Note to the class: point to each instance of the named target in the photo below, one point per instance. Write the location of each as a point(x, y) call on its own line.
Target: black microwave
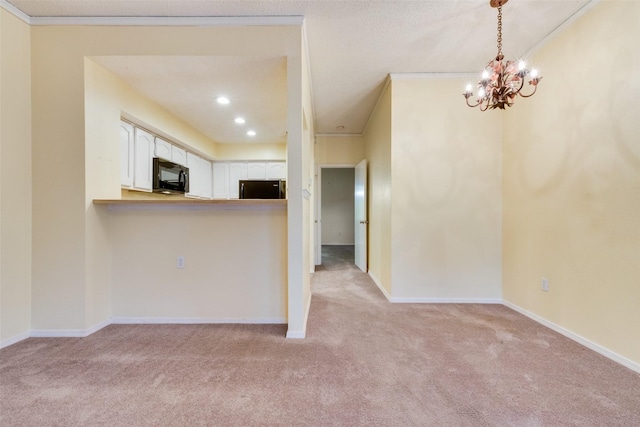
point(169, 177)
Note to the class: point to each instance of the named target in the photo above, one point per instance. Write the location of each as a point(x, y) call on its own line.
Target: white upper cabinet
point(163, 149)
point(276, 170)
point(220, 180)
point(126, 154)
point(206, 179)
point(143, 160)
point(256, 170)
point(237, 171)
point(178, 155)
point(193, 163)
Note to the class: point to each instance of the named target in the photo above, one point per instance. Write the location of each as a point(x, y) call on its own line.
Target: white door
point(361, 220)
point(276, 170)
point(206, 189)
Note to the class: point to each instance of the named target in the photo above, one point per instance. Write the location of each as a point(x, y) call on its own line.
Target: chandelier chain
point(500, 31)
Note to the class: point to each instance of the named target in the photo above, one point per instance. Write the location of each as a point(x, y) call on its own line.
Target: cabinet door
point(256, 170)
point(163, 149)
point(237, 171)
point(126, 154)
point(220, 180)
point(206, 188)
point(276, 170)
point(195, 180)
point(143, 160)
point(178, 155)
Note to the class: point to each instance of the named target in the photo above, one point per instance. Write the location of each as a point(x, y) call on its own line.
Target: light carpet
point(365, 361)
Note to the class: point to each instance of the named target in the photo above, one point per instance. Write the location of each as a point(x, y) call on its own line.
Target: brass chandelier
point(501, 81)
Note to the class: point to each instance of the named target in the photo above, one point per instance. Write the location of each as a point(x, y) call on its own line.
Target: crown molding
point(165, 21)
point(15, 11)
point(428, 76)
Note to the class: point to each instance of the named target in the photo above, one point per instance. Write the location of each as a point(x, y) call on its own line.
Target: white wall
point(338, 212)
point(445, 214)
point(235, 264)
point(339, 149)
point(15, 178)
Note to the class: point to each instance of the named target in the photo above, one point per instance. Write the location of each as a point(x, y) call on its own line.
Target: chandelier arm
point(535, 87)
point(472, 106)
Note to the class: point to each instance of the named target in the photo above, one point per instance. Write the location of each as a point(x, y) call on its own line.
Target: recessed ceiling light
point(222, 100)
point(239, 120)
point(251, 132)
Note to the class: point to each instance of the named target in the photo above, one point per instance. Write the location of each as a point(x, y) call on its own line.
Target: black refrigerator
point(262, 189)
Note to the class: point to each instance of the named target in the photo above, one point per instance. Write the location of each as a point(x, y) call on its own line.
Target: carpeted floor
point(364, 362)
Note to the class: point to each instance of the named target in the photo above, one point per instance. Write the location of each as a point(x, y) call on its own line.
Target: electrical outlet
point(544, 284)
point(180, 262)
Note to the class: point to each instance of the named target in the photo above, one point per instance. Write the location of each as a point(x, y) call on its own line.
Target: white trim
point(379, 285)
point(577, 338)
point(196, 320)
point(303, 333)
point(15, 12)
point(324, 135)
point(338, 244)
point(69, 333)
point(168, 21)
point(14, 339)
point(401, 300)
point(336, 166)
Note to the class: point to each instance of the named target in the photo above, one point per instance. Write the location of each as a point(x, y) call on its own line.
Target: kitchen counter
point(186, 202)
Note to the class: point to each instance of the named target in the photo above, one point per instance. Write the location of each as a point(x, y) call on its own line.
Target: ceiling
point(353, 46)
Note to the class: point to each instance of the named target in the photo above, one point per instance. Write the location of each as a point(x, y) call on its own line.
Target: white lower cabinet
point(143, 160)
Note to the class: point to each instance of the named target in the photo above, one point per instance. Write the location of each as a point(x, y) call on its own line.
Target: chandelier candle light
point(501, 81)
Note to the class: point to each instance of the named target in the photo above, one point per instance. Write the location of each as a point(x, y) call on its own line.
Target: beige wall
point(340, 150)
point(15, 178)
point(445, 214)
point(377, 151)
point(69, 236)
point(251, 152)
point(571, 183)
point(235, 264)
point(107, 99)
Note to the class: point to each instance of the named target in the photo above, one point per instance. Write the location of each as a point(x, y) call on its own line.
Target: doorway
point(339, 202)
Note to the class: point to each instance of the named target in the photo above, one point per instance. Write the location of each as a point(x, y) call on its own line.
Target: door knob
point(364, 222)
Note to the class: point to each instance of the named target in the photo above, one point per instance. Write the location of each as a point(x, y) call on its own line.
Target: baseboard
point(196, 320)
point(577, 338)
point(379, 285)
point(14, 339)
point(446, 300)
point(68, 333)
point(303, 333)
